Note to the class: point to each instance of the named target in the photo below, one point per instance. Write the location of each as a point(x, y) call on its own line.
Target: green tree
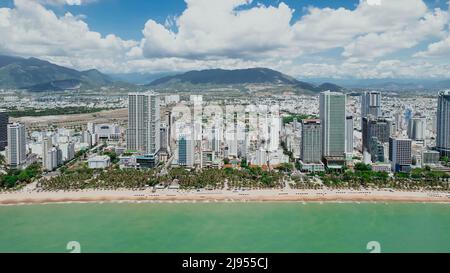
point(361, 167)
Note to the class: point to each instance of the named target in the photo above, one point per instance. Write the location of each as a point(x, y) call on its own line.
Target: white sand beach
point(169, 195)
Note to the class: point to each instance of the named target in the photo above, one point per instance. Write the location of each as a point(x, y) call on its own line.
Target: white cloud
point(30, 29)
point(375, 45)
point(204, 30)
point(210, 30)
point(438, 49)
point(65, 2)
point(240, 34)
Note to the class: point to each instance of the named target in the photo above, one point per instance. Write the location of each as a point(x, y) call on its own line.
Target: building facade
point(375, 133)
point(4, 120)
point(401, 154)
point(417, 128)
point(371, 104)
point(333, 121)
point(16, 153)
point(311, 151)
point(443, 123)
point(143, 133)
point(349, 137)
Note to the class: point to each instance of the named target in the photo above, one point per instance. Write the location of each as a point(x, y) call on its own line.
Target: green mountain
point(239, 76)
point(329, 86)
point(221, 76)
point(37, 75)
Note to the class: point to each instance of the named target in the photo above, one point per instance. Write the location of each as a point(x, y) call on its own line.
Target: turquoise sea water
point(226, 227)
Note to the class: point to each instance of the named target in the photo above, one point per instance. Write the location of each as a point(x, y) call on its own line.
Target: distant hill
point(36, 74)
point(329, 86)
point(240, 76)
point(55, 86)
point(221, 76)
point(140, 78)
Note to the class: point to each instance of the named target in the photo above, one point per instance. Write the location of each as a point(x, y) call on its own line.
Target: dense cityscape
point(216, 132)
point(330, 140)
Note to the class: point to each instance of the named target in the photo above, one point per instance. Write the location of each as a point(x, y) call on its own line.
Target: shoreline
point(220, 196)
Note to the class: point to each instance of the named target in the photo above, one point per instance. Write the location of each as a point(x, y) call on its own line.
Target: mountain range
point(38, 75)
point(240, 76)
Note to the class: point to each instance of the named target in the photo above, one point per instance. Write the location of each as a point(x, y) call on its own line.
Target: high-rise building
point(164, 137)
point(311, 141)
point(68, 151)
point(51, 159)
point(371, 104)
point(379, 128)
point(443, 123)
point(333, 121)
point(87, 137)
point(186, 147)
point(349, 137)
point(3, 130)
point(417, 128)
point(16, 153)
point(143, 133)
point(401, 154)
point(47, 161)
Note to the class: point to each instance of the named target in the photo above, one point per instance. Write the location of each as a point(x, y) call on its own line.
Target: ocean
point(225, 227)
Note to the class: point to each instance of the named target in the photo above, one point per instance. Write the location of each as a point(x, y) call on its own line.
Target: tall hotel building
point(3, 130)
point(143, 133)
point(311, 141)
point(333, 120)
point(443, 123)
point(400, 154)
point(350, 135)
point(16, 151)
point(371, 104)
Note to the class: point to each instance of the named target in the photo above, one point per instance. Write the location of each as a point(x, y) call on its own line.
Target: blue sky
point(304, 38)
point(126, 18)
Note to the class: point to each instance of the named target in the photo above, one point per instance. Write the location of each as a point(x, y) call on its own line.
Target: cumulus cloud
point(205, 31)
point(66, 2)
point(209, 30)
point(241, 34)
point(373, 45)
point(29, 29)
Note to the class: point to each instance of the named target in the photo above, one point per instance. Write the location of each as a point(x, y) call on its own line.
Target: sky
point(341, 39)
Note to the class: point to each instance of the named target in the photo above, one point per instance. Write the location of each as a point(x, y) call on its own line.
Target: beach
point(174, 195)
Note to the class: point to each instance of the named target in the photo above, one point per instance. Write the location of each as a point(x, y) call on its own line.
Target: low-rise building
point(99, 162)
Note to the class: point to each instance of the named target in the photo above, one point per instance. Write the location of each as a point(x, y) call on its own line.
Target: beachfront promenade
point(28, 196)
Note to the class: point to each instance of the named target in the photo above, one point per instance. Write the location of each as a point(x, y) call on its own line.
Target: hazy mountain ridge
point(34, 73)
point(240, 76)
point(221, 76)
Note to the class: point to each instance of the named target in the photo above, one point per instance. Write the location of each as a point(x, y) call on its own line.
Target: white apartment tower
point(16, 151)
point(143, 133)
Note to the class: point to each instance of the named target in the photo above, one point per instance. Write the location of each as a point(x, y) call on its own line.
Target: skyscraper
point(186, 155)
point(16, 151)
point(417, 128)
point(401, 154)
point(379, 128)
point(349, 137)
point(311, 141)
point(47, 161)
point(371, 104)
point(143, 133)
point(3, 130)
point(443, 123)
point(333, 120)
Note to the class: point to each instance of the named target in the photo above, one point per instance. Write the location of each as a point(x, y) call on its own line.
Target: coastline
point(178, 196)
